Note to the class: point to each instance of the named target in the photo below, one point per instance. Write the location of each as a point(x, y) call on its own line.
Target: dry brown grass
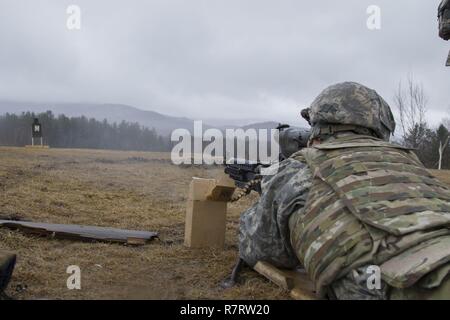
point(131, 190)
point(120, 189)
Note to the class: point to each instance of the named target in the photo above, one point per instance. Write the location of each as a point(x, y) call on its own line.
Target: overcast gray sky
point(248, 59)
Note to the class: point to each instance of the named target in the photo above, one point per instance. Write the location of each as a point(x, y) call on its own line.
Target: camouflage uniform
point(264, 228)
point(351, 202)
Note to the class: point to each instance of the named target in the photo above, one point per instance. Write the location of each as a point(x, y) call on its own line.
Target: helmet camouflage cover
point(444, 19)
point(351, 103)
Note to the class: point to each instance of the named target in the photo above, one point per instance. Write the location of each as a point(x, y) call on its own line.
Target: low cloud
point(252, 59)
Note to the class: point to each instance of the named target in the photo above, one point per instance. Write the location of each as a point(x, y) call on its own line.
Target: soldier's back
point(372, 203)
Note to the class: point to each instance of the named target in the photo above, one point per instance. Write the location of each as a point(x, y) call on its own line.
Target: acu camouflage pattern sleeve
point(264, 228)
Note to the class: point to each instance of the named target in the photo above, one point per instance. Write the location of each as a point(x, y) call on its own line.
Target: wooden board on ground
point(296, 282)
point(77, 232)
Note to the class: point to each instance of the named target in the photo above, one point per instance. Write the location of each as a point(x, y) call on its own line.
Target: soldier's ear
point(305, 115)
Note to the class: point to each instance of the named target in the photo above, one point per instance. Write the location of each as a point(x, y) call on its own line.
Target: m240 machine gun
point(247, 174)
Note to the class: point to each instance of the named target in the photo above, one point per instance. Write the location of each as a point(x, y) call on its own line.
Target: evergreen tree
point(80, 132)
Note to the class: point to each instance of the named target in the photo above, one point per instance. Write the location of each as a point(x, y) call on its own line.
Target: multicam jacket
point(350, 202)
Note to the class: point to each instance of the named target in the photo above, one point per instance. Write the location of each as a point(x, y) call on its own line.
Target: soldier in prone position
point(351, 201)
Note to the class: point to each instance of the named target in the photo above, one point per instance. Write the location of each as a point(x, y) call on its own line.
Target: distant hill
point(163, 124)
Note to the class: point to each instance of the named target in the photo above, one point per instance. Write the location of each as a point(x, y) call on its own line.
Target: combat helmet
point(350, 106)
point(444, 19)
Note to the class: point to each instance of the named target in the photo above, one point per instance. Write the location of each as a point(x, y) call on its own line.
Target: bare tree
point(443, 141)
point(442, 147)
point(446, 123)
point(411, 102)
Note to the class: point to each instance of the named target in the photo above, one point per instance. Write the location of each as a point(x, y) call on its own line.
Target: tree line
point(432, 145)
point(80, 132)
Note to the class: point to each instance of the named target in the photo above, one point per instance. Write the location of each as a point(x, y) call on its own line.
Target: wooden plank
point(304, 288)
point(274, 275)
point(78, 232)
point(301, 294)
point(297, 282)
point(301, 279)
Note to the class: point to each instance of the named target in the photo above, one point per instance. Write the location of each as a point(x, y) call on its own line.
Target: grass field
point(132, 190)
